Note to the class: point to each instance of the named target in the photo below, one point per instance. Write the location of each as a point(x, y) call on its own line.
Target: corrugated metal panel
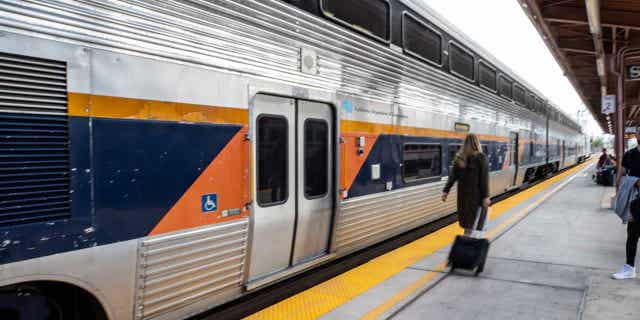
point(34, 142)
point(179, 269)
point(261, 38)
point(368, 219)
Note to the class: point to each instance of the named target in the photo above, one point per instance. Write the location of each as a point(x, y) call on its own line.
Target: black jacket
point(473, 187)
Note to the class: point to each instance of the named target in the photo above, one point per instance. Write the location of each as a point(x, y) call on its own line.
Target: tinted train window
point(487, 77)
point(505, 87)
point(519, 95)
point(539, 106)
point(453, 150)
point(531, 102)
point(316, 162)
point(272, 151)
point(461, 62)
point(421, 40)
point(421, 161)
point(371, 16)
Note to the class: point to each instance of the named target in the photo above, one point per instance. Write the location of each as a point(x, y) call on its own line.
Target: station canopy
point(589, 38)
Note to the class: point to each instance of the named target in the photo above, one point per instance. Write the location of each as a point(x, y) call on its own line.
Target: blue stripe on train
point(388, 153)
point(140, 169)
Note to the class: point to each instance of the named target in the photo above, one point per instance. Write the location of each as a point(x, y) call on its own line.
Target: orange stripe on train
point(379, 128)
point(227, 176)
point(351, 159)
point(87, 105)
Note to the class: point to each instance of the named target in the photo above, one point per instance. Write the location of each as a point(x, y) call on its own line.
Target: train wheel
point(28, 303)
point(48, 301)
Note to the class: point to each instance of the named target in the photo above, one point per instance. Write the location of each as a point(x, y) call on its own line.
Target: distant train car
point(160, 158)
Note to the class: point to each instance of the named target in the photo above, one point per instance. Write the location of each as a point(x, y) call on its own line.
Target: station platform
point(553, 248)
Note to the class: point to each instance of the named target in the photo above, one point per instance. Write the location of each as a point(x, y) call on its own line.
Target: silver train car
point(160, 158)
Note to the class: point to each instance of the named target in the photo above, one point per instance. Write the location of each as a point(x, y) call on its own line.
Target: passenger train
point(160, 158)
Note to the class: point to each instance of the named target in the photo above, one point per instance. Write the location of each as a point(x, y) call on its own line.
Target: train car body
point(164, 157)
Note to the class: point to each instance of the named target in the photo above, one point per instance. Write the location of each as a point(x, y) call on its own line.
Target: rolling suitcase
point(469, 253)
point(605, 177)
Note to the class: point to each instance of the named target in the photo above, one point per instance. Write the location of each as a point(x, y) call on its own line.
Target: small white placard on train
point(375, 171)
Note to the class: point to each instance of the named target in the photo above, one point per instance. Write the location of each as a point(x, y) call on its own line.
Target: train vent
point(34, 140)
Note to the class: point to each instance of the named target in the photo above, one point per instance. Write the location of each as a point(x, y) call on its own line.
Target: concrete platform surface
point(553, 264)
point(553, 248)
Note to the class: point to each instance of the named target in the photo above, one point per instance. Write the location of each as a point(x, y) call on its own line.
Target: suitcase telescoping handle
point(481, 213)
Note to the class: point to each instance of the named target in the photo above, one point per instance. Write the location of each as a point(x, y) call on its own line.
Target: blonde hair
point(471, 147)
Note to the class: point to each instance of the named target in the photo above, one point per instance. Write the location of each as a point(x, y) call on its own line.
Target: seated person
point(606, 160)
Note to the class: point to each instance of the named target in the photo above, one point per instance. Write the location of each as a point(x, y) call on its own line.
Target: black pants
point(633, 234)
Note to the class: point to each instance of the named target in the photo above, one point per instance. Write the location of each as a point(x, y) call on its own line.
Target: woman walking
point(471, 171)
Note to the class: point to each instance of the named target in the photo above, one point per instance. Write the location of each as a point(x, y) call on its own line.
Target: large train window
point(369, 16)
point(421, 40)
point(461, 61)
point(519, 95)
point(453, 151)
point(505, 87)
point(487, 76)
point(531, 102)
point(539, 105)
point(420, 161)
point(272, 149)
point(316, 158)
point(454, 148)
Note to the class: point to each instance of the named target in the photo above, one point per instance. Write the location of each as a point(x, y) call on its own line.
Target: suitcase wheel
point(479, 269)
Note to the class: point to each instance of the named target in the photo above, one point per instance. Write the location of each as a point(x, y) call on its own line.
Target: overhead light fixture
point(593, 13)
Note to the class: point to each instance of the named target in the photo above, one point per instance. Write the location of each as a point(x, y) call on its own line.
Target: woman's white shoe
point(626, 272)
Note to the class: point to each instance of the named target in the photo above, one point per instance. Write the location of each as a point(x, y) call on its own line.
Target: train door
point(514, 156)
point(292, 183)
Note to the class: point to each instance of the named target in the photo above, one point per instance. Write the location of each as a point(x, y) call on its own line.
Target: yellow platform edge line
point(426, 278)
point(328, 295)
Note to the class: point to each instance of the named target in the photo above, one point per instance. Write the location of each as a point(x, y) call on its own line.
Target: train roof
point(430, 14)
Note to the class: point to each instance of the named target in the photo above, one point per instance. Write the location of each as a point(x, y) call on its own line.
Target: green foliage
point(598, 142)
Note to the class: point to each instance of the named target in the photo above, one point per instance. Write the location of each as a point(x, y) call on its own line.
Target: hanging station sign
point(633, 73)
point(608, 104)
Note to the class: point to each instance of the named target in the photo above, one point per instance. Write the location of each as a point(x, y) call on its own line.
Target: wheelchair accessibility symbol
point(209, 202)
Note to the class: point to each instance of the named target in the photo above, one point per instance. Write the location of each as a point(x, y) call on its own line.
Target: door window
point(272, 144)
point(316, 159)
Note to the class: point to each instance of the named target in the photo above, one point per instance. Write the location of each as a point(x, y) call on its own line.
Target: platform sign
point(633, 73)
point(209, 203)
point(608, 104)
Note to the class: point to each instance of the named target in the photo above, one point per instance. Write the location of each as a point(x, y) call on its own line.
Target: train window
point(272, 152)
point(531, 151)
point(454, 148)
point(461, 61)
point(539, 106)
point(487, 76)
point(316, 158)
point(531, 102)
point(519, 95)
point(421, 161)
point(420, 40)
point(505, 87)
point(368, 16)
